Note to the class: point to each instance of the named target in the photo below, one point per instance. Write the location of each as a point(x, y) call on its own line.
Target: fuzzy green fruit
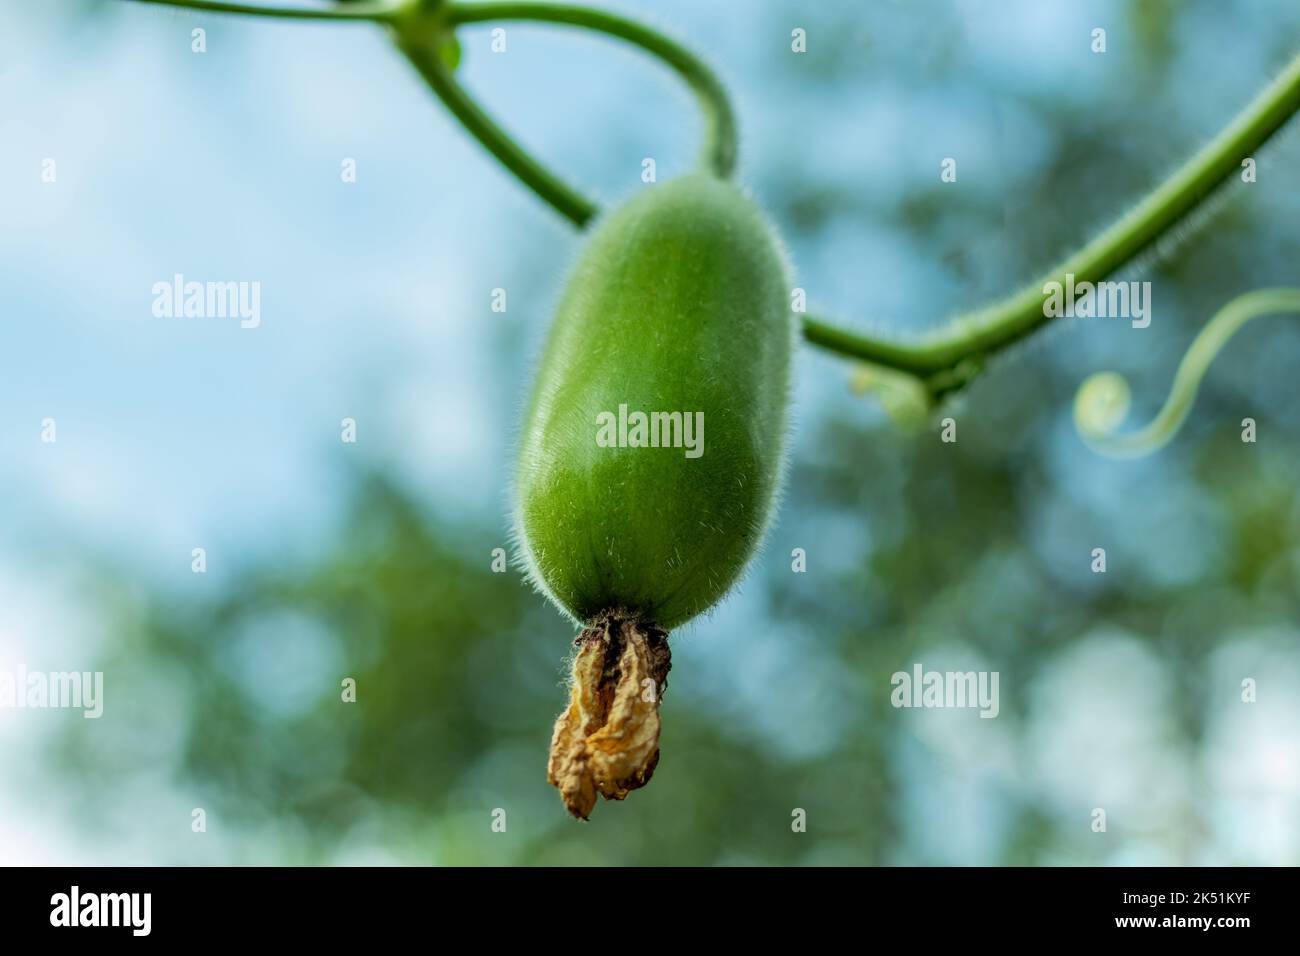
point(678, 305)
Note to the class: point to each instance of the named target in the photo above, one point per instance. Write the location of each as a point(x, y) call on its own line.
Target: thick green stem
point(973, 336)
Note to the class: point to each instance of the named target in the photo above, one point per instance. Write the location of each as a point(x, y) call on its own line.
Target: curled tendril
point(1102, 401)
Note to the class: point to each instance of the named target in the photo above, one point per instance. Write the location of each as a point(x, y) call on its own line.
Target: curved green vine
point(942, 361)
point(721, 140)
point(423, 49)
point(415, 28)
point(374, 12)
point(988, 330)
point(950, 357)
point(1102, 401)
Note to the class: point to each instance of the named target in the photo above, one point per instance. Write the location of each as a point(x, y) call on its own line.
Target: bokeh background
point(327, 560)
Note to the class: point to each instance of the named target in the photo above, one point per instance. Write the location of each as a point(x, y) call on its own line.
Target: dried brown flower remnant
point(607, 739)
